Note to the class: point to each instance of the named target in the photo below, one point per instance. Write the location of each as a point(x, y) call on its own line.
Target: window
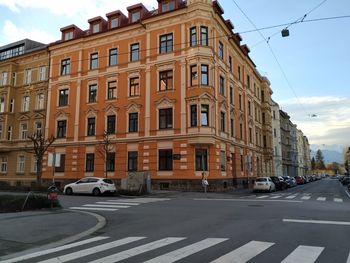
point(193, 115)
point(193, 36)
point(114, 22)
point(65, 66)
point(221, 50)
point(274, 115)
point(249, 108)
point(204, 75)
point(111, 124)
point(25, 104)
point(166, 118)
point(248, 81)
point(38, 127)
point(205, 115)
point(61, 129)
point(24, 131)
point(194, 75)
point(110, 161)
point(40, 99)
point(166, 43)
point(113, 56)
point(265, 141)
point(274, 133)
point(63, 97)
point(3, 167)
point(96, 28)
point(132, 161)
point(222, 121)
point(165, 160)
point(94, 61)
point(242, 163)
point(133, 122)
point(9, 133)
point(241, 131)
point(3, 79)
point(91, 126)
point(111, 90)
point(168, 5)
point(239, 73)
point(135, 16)
point(28, 76)
point(42, 73)
point(262, 96)
point(230, 63)
point(222, 160)
point(60, 169)
point(204, 36)
point(222, 85)
point(2, 104)
point(14, 78)
point(134, 52)
point(20, 164)
point(68, 35)
point(231, 95)
point(1, 129)
point(92, 93)
point(166, 80)
point(201, 160)
point(240, 101)
point(134, 87)
point(250, 135)
point(263, 118)
point(232, 128)
point(89, 165)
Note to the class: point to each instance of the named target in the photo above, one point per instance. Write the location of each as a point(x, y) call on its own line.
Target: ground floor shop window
point(201, 160)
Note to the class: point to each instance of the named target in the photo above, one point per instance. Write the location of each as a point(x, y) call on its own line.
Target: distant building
point(23, 96)
point(277, 139)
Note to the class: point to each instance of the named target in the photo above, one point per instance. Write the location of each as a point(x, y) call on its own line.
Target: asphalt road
point(308, 223)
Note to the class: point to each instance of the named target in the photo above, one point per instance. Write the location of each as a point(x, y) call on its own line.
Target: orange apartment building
point(23, 95)
point(174, 90)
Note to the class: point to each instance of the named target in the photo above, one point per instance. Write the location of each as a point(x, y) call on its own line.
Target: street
point(307, 223)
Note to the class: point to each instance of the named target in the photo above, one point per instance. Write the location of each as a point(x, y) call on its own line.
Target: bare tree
point(105, 150)
point(39, 147)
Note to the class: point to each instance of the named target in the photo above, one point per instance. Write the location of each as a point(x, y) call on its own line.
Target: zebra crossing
point(102, 249)
point(296, 196)
point(117, 204)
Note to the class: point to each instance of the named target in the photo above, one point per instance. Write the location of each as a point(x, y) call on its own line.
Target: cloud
point(12, 33)
point(323, 119)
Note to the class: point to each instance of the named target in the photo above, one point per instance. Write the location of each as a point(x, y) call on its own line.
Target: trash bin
point(52, 193)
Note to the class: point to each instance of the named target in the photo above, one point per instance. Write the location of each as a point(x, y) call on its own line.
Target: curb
point(101, 222)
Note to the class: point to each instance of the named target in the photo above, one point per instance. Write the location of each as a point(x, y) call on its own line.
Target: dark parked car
point(299, 179)
point(279, 182)
point(290, 181)
point(345, 181)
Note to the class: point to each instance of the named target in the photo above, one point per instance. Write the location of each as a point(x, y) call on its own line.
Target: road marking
point(138, 250)
point(110, 205)
point(244, 253)
point(348, 261)
point(291, 197)
point(343, 223)
point(92, 208)
point(346, 191)
point(263, 196)
point(186, 251)
point(246, 200)
point(321, 199)
point(339, 200)
point(142, 200)
point(117, 203)
point(92, 250)
point(305, 254)
point(306, 197)
point(54, 250)
point(276, 196)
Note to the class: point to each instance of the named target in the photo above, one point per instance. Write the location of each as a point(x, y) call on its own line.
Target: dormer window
point(168, 5)
point(114, 22)
point(96, 28)
point(68, 35)
point(135, 16)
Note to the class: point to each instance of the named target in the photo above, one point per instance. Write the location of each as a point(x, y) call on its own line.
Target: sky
point(309, 71)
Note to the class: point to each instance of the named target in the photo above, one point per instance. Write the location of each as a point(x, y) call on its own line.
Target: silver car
point(90, 185)
point(264, 184)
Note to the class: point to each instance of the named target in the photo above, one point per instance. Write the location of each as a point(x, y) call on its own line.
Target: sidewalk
point(25, 231)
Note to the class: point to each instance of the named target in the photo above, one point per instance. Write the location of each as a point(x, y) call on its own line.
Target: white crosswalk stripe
point(93, 250)
point(321, 199)
point(339, 200)
point(305, 254)
point(291, 196)
point(297, 196)
point(306, 197)
point(92, 208)
point(108, 206)
point(104, 252)
point(276, 196)
point(263, 196)
point(118, 203)
point(138, 250)
point(244, 253)
point(186, 251)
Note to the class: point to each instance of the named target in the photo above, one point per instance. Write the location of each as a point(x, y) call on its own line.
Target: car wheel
point(96, 192)
point(69, 191)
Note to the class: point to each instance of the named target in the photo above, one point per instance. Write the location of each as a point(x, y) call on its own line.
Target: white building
point(276, 134)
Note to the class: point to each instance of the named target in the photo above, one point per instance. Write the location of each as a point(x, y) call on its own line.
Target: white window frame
point(3, 164)
point(24, 130)
point(20, 163)
point(42, 73)
point(3, 78)
point(2, 104)
point(25, 105)
point(40, 99)
point(28, 76)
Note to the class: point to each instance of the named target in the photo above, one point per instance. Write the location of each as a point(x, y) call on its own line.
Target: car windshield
point(108, 181)
point(261, 179)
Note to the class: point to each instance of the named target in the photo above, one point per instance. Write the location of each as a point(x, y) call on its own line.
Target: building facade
point(172, 89)
point(23, 96)
point(277, 140)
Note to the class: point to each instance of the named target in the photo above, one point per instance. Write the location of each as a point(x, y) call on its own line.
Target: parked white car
point(90, 185)
point(264, 184)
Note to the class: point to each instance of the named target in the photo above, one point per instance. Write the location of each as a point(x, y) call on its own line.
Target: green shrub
point(14, 203)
